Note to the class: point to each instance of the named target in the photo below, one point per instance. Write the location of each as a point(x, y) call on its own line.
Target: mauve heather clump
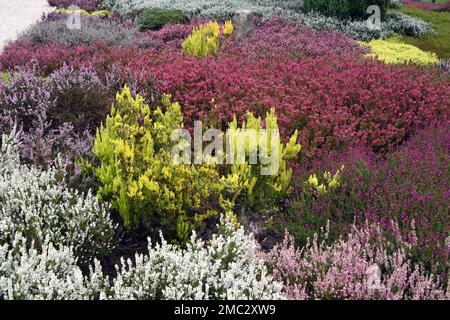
point(55, 114)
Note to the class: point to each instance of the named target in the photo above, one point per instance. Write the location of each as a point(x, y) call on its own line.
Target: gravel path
point(17, 15)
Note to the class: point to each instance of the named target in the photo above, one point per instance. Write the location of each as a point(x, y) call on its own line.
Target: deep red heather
point(333, 100)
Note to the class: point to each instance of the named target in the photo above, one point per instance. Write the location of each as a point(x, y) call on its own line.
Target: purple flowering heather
point(57, 115)
point(409, 186)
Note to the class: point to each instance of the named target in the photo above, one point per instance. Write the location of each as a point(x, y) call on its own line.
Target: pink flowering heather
point(279, 38)
point(45, 58)
point(49, 57)
point(363, 266)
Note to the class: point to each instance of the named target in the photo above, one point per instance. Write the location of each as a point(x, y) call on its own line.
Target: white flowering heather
point(225, 268)
point(45, 274)
point(395, 22)
point(37, 204)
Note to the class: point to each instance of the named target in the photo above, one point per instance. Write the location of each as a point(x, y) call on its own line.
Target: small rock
point(244, 21)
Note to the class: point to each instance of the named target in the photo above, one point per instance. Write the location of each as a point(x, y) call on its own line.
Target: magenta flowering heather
point(408, 186)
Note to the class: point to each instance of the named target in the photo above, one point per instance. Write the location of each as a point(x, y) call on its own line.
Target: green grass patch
point(437, 1)
point(439, 42)
point(4, 76)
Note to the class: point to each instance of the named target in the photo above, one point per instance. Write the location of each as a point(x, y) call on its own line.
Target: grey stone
point(243, 22)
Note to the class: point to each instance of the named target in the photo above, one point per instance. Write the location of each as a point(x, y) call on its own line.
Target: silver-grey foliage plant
point(91, 29)
point(395, 22)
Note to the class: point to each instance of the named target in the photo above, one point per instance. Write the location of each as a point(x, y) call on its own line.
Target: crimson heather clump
point(334, 101)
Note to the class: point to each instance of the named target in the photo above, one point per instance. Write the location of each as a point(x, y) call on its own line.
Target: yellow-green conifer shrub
point(395, 52)
point(246, 180)
point(137, 174)
point(143, 183)
point(205, 39)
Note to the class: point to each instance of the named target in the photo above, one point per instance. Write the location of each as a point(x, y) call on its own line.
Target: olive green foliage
point(147, 187)
point(345, 9)
point(4, 76)
point(155, 19)
point(439, 41)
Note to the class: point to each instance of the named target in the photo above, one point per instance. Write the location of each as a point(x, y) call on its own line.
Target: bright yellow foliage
point(246, 178)
point(205, 39)
point(227, 29)
point(84, 12)
point(395, 52)
point(330, 181)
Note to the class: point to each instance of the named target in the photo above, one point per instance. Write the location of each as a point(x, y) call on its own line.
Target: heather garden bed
point(92, 205)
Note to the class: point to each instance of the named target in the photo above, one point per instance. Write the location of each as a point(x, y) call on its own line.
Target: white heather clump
point(224, 268)
point(45, 274)
point(37, 204)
